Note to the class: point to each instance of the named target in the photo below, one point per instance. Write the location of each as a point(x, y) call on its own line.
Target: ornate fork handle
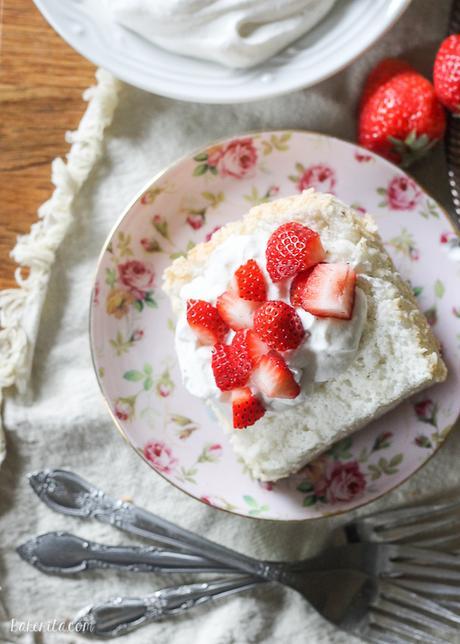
point(68, 493)
point(121, 615)
point(64, 553)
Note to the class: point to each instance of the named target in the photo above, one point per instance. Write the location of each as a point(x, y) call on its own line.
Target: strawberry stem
point(412, 148)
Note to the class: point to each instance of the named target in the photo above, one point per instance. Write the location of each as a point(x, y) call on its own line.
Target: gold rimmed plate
point(132, 326)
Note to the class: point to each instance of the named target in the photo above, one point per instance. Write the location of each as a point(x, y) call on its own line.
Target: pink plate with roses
point(132, 326)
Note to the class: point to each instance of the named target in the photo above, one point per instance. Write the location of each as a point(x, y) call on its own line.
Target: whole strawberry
point(400, 117)
point(446, 73)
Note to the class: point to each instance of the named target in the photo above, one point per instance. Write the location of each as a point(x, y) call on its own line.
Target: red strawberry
point(330, 291)
point(400, 117)
point(292, 248)
point(297, 286)
point(229, 371)
point(382, 73)
point(205, 320)
point(446, 73)
point(278, 325)
point(256, 347)
point(248, 346)
point(247, 408)
point(250, 282)
point(240, 351)
point(273, 377)
point(235, 311)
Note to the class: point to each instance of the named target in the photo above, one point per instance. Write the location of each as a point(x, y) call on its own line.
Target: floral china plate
point(132, 326)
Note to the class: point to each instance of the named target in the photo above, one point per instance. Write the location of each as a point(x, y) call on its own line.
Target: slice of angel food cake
point(295, 327)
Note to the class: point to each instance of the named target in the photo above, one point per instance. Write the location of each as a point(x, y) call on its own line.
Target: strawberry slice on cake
point(328, 291)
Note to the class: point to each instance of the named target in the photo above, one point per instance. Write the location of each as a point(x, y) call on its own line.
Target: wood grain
point(41, 83)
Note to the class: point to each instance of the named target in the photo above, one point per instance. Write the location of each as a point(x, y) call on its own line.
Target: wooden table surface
point(41, 83)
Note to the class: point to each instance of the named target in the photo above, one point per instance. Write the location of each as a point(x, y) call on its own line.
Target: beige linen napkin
point(65, 423)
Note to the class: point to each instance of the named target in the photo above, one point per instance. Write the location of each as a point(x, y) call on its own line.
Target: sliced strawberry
point(235, 311)
point(329, 291)
point(256, 346)
point(273, 377)
point(297, 287)
point(229, 371)
point(292, 248)
point(205, 320)
point(249, 347)
point(247, 408)
point(250, 282)
point(240, 351)
point(278, 324)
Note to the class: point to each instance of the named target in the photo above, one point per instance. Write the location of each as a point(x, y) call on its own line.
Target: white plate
point(347, 31)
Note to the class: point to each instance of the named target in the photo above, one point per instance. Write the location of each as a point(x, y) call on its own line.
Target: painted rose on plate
point(320, 177)
point(235, 159)
point(426, 411)
point(131, 283)
point(124, 408)
point(161, 456)
point(331, 481)
point(362, 157)
point(342, 482)
point(138, 277)
point(165, 385)
point(196, 220)
point(150, 245)
point(403, 193)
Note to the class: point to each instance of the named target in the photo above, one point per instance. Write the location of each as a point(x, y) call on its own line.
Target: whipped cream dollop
point(236, 33)
point(329, 346)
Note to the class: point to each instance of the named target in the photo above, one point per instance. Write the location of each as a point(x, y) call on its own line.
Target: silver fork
point(432, 525)
point(429, 572)
point(370, 609)
point(67, 493)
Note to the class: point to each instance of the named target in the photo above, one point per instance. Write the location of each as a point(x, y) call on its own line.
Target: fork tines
point(428, 526)
point(397, 615)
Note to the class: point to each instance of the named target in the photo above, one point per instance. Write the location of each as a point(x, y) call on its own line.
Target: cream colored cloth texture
point(65, 423)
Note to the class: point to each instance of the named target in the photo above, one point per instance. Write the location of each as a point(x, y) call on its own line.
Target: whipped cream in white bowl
point(329, 345)
point(235, 33)
point(345, 32)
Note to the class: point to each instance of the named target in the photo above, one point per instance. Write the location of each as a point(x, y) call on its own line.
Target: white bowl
point(348, 30)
